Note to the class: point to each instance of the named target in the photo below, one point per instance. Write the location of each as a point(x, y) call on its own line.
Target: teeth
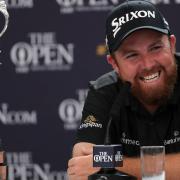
point(151, 77)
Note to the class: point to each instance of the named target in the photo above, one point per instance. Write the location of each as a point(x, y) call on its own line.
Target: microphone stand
point(110, 173)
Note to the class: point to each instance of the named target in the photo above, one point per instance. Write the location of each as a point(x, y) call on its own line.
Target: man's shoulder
point(108, 79)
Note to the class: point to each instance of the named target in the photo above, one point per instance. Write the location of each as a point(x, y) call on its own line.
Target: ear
point(113, 63)
point(173, 42)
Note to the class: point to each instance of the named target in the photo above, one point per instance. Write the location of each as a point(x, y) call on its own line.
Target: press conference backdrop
point(52, 48)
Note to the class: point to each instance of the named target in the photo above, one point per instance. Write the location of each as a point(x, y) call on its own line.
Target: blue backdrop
point(52, 48)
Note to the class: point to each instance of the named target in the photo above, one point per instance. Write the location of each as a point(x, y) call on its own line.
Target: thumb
point(87, 150)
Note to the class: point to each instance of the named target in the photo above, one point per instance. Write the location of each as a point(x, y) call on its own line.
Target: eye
point(156, 48)
point(131, 55)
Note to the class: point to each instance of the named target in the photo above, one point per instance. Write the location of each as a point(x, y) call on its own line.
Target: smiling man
point(142, 94)
point(146, 60)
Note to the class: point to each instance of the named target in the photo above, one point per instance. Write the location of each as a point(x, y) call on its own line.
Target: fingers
point(87, 150)
point(73, 177)
point(80, 168)
point(71, 162)
point(74, 173)
point(70, 171)
point(75, 165)
point(80, 162)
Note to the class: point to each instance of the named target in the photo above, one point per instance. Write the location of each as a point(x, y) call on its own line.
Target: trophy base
point(111, 174)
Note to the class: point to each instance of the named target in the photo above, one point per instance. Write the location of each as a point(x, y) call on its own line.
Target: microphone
point(109, 156)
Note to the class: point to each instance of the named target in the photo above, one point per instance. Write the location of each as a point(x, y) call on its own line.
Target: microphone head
point(107, 156)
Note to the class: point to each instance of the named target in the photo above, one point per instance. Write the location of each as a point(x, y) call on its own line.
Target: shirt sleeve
point(95, 116)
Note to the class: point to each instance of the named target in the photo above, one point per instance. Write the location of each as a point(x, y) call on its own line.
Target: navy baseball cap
point(130, 16)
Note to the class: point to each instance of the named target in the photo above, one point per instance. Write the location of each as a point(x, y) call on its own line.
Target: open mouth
point(151, 78)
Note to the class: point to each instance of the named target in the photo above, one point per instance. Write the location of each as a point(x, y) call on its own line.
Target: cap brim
point(121, 39)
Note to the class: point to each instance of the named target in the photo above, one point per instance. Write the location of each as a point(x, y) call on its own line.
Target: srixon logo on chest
point(117, 23)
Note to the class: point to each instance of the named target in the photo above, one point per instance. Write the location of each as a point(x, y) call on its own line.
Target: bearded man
point(145, 78)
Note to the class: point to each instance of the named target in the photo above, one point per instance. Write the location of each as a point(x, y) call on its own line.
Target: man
point(142, 54)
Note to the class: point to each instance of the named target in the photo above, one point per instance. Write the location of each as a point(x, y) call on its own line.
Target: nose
point(147, 62)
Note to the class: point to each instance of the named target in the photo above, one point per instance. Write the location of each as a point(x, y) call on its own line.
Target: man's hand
point(80, 167)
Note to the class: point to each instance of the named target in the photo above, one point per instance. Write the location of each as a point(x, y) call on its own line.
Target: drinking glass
point(152, 162)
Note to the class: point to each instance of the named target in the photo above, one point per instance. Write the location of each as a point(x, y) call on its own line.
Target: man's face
point(146, 60)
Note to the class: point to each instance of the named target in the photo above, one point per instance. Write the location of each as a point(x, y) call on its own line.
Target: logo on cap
point(118, 22)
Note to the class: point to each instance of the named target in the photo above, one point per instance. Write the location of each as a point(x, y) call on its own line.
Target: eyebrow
point(159, 41)
point(129, 50)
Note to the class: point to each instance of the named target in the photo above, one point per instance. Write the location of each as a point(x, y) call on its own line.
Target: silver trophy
point(3, 10)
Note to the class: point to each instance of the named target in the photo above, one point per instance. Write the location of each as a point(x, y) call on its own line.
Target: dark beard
point(161, 94)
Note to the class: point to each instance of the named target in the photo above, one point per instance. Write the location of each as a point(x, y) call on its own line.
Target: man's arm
point(82, 148)
point(172, 166)
point(80, 166)
point(132, 166)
